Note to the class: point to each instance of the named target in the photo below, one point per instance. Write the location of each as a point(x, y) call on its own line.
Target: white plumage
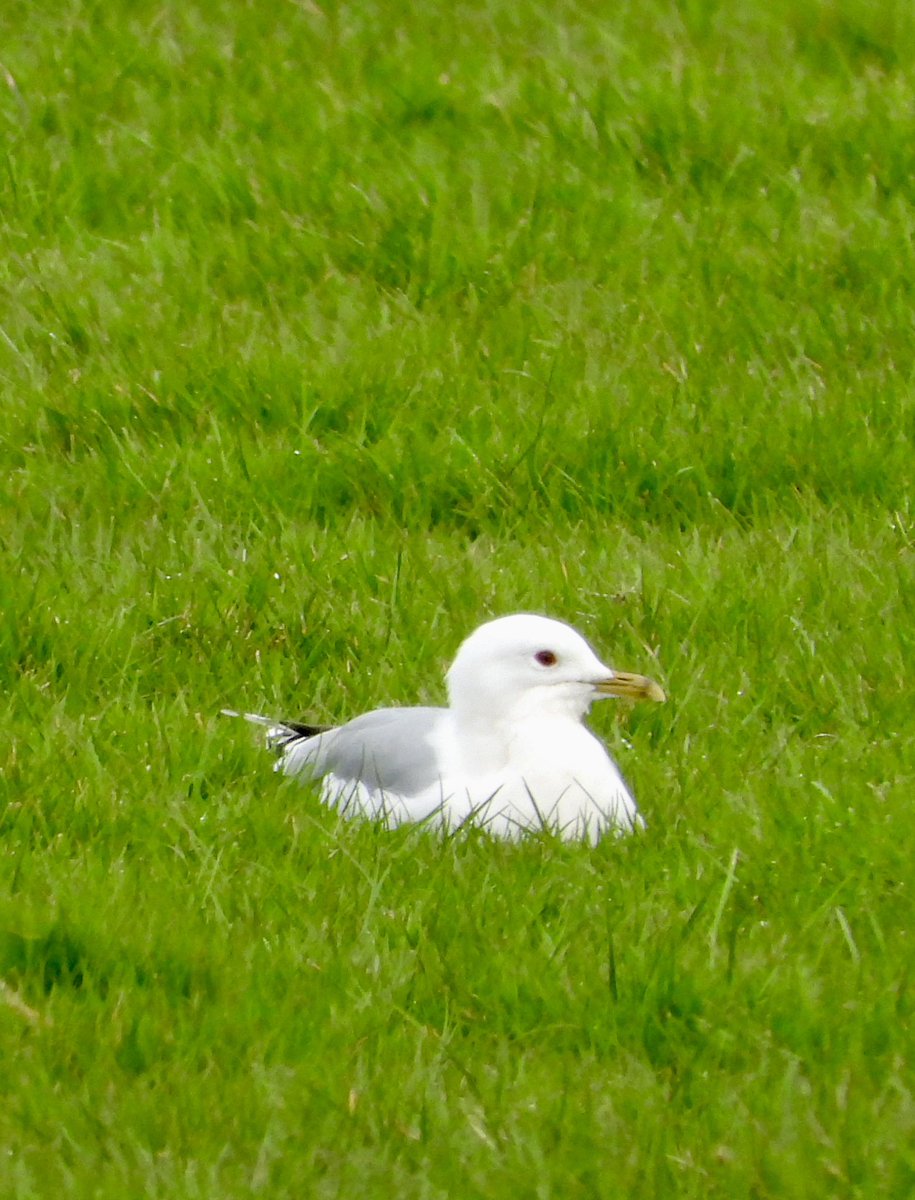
point(510, 752)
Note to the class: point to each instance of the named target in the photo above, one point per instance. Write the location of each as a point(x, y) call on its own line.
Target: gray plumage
point(389, 749)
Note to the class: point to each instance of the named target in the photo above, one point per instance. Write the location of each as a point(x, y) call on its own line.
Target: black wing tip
point(280, 734)
point(305, 731)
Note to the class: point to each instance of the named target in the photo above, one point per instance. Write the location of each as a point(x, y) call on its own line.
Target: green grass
point(327, 332)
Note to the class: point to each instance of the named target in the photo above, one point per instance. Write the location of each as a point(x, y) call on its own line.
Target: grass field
point(328, 331)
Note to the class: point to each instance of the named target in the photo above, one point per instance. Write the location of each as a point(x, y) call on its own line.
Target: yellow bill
point(636, 687)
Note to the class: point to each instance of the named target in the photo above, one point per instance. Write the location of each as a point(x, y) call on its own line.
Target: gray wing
point(390, 749)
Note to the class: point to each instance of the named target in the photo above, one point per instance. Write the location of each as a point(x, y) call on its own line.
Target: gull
point(510, 753)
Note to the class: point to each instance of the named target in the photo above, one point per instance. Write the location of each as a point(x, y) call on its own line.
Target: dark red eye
point(546, 658)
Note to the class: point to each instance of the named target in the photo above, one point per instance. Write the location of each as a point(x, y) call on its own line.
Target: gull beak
point(636, 687)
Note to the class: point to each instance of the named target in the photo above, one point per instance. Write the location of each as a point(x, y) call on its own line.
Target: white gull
point(509, 753)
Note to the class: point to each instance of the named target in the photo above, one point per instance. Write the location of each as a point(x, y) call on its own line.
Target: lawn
point(327, 332)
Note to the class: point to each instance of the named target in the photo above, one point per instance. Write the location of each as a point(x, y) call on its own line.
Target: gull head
point(526, 666)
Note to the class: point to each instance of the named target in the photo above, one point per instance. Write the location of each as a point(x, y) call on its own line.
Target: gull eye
point(546, 658)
